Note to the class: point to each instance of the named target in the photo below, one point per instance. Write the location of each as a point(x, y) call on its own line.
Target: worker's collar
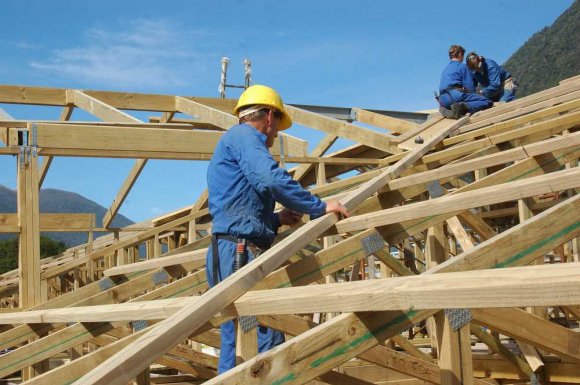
point(261, 136)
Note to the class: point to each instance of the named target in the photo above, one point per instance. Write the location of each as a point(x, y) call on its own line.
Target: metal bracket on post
point(372, 243)
point(458, 318)
point(34, 139)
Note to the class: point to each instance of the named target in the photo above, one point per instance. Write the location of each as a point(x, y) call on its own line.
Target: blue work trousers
point(474, 102)
point(267, 338)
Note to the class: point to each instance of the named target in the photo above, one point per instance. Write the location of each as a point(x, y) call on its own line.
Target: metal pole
point(222, 87)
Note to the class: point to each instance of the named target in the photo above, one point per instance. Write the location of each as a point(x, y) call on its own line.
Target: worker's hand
point(289, 217)
point(336, 207)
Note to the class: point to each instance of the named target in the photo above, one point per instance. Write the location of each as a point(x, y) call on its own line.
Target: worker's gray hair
point(257, 114)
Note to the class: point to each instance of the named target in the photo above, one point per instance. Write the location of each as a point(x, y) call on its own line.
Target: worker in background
point(244, 183)
point(457, 95)
point(495, 83)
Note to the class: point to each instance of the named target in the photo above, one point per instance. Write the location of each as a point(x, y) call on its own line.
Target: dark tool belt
point(256, 251)
point(457, 88)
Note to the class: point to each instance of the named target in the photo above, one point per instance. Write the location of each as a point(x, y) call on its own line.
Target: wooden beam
point(504, 192)
point(387, 122)
point(538, 332)
point(508, 287)
point(51, 222)
point(28, 222)
point(342, 129)
point(292, 146)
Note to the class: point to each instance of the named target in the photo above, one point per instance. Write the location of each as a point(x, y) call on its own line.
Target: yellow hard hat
point(265, 96)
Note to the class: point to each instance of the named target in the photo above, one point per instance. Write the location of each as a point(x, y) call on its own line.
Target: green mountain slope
point(550, 55)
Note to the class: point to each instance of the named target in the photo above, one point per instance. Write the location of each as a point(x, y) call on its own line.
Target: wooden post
point(29, 239)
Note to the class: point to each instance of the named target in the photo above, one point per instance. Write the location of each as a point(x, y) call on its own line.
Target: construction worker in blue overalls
point(495, 83)
point(244, 183)
point(457, 95)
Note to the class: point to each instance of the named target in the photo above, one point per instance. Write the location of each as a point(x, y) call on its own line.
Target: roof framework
point(484, 213)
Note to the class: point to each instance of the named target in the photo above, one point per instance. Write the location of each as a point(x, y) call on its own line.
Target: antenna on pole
point(223, 81)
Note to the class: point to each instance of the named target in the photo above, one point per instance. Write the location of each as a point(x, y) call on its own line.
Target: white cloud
point(141, 54)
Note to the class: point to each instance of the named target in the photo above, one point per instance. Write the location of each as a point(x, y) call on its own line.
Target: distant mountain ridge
point(60, 201)
point(550, 55)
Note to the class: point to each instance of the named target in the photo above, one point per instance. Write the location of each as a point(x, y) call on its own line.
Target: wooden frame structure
point(484, 288)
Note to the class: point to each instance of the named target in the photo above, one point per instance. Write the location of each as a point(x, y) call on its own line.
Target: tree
point(9, 251)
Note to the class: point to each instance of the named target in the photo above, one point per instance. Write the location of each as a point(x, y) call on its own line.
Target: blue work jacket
point(491, 76)
point(456, 74)
point(244, 183)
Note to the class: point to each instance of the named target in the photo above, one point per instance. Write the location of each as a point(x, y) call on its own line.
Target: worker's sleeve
point(494, 75)
point(468, 81)
point(267, 177)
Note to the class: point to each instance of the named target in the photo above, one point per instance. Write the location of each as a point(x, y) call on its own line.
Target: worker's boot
point(446, 113)
point(458, 110)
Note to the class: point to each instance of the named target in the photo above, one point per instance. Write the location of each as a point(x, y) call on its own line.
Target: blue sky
point(370, 54)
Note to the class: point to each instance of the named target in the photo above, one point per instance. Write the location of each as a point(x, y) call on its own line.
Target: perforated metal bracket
point(458, 318)
point(434, 188)
point(160, 276)
point(372, 243)
point(139, 325)
point(247, 323)
point(106, 283)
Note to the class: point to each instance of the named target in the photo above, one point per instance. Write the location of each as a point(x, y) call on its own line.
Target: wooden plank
point(52, 222)
point(526, 168)
point(28, 221)
point(197, 257)
point(87, 137)
point(538, 332)
point(292, 145)
point(387, 122)
point(504, 192)
point(433, 119)
point(528, 100)
point(505, 287)
point(511, 123)
point(342, 129)
point(33, 95)
point(432, 130)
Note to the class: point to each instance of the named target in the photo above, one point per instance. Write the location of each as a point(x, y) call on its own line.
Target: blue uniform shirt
point(491, 77)
point(244, 183)
point(456, 74)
